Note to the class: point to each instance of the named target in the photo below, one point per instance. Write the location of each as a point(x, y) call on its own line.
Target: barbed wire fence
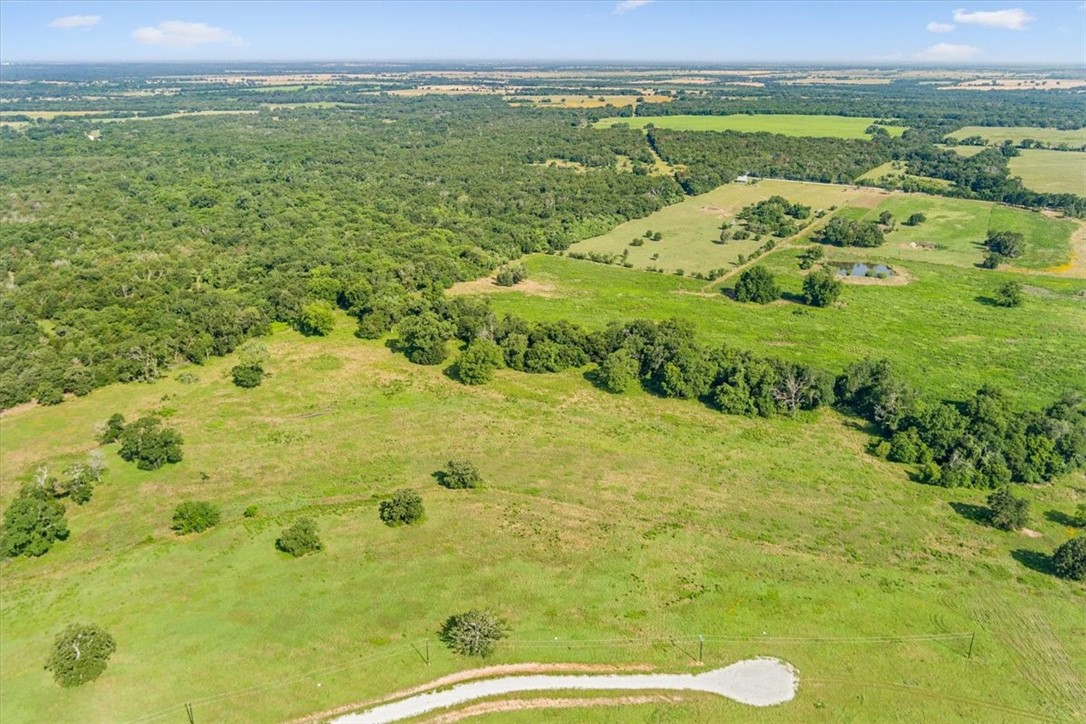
point(685, 644)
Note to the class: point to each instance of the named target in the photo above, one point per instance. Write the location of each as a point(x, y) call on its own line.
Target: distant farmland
point(1051, 171)
point(1016, 134)
point(788, 125)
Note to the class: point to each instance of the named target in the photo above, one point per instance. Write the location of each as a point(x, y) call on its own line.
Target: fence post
point(972, 638)
point(701, 649)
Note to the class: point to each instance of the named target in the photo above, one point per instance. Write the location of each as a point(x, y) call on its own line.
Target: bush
point(49, 395)
point(821, 288)
point(915, 219)
point(479, 361)
point(757, 285)
point(113, 430)
point(194, 517)
point(300, 539)
point(247, 376)
point(1009, 244)
point(316, 319)
point(459, 474)
point(1009, 294)
point(403, 508)
point(473, 633)
point(1006, 511)
point(32, 523)
point(992, 261)
point(1069, 560)
point(149, 445)
point(619, 371)
point(250, 511)
point(511, 275)
point(423, 338)
point(80, 654)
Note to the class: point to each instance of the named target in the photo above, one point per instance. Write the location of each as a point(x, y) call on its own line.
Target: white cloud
point(948, 53)
point(934, 27)
point(181, 34)
point(76, 21)
point(626, 5)
point(1012, 19)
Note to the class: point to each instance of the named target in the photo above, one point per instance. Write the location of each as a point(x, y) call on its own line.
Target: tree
point(1009, 294)
point(300, 539)
point(114, 428)
point(821, 288)
point(757, 285)
point(247, 376)
point(1009, 244)
point(150, 445)
point(32, 523)
point(195, 516)
point(316, 319)
point(885, 218)
point(992, 260)
point(511, 275)
point(403, 508)
point(1006, 511)
point(80, 653)
point(423, 337)
point(460, 474)
point(618, 372)
point(479, 361)
point(473, 633)
point(915, 219)
point(1069, 560)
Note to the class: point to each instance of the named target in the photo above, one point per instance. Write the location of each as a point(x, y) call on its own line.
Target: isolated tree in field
point(195, 516)
point(479, 361)
point(150, 445)
point(885, 218)
point(32, 523)
point(915, 219)
point(1007, 512)
point(809, 256)
point(821, 288)
point(1069, 560)
point(300, 539)
point(1009, 294)
point(618, 372)
point(316, 319)
point(249, 371)
point(247, 376)
point(511, 275)
point(80, 653)
point(459, 474)
point(473, 633)
point(403, 508)
point(1009, 244)
point(757, 285)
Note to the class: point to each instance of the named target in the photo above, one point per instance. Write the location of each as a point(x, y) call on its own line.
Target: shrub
point(403, 508)
point(49, 394)
point(1009, 244)
point(992, 260)
point(619, 371)
point(247, 376)
point(32, 523)
point(1009, 294)
point(423, 337)
point(907, 447)
point(511, 275)
point(300, 539)
point(250, 511)
point(757, 285)
point(479, 361)
point(80, 653)
point(821, 288)
point(316, 319)
point(460, 474)
point(1006, 511)
point(194, 517)
point(114, 428)
point(915, 219)
point(1069, 560)
point(473, 633)
point(148, 445)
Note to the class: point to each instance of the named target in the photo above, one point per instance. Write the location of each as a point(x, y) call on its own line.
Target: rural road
point(758, 682)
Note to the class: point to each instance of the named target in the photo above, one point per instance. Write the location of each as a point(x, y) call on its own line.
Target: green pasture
point(785, 124)
point(899, 170)
point(1015, 134)
point(603, 518)
point(1058, 172)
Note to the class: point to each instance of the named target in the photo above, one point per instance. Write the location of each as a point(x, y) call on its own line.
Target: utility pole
point(701, 649)
point(188, 712)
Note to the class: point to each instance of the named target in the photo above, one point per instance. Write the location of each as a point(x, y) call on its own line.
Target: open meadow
point(788, 125)
point(1016, 134)
point(1060, 172)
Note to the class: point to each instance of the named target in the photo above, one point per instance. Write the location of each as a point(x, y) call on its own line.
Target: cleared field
point(691, 227)
point(898, 170)
point(603, 517)
point(1015, 134)
point(587, 101)
point(966, 151)
point(1051, 171)
point(788, 125)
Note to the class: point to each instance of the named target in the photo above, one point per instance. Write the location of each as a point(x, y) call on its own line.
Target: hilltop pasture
point(786, 124)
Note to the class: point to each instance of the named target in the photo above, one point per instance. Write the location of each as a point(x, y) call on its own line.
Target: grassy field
point(898, 169)
point(966, 151)
point(587, 101)
point(690, 227)
point(1051, 171)
point(788, 125)
point(602, 518)
point(997, 135)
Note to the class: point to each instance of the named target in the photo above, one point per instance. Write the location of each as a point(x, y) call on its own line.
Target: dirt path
point(757, 682)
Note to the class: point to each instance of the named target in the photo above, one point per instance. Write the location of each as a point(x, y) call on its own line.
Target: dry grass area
point(488, 285)
point(588, 101)
point(988, 84)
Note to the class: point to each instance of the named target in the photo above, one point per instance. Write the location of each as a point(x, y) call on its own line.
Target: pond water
point(859, 269)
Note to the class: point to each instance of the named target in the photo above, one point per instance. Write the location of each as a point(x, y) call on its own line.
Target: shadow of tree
point(1060, 518)
point(986, 301)
point(976, 513)
point(793, 297)
point(1033, 560)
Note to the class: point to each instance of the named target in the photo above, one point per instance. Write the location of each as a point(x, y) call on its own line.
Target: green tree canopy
point(757, 284)
point(80, 654)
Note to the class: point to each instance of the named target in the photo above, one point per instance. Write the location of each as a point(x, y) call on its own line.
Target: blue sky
point(631, 30)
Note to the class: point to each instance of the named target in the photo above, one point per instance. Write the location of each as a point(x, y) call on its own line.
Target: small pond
point(859, 269)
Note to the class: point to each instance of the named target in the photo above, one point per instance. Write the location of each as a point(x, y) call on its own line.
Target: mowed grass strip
point(1016, 134)
point(602, 517)
point(1057, 172)
point(785, 124)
